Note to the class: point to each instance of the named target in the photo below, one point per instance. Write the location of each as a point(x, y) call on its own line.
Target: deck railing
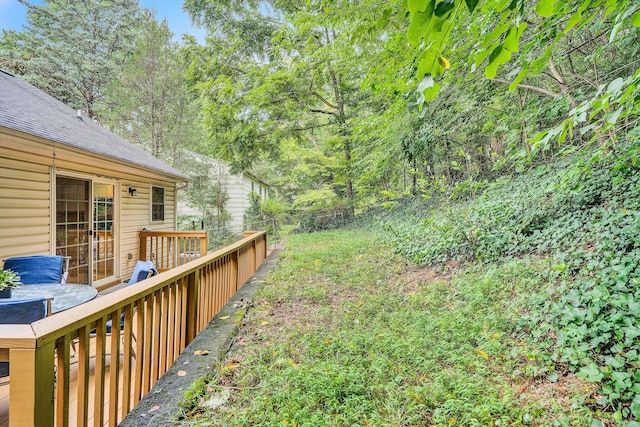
point(153, 321)
point(170, 249)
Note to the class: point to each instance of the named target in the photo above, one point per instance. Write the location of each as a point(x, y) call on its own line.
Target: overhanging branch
point(532, 88)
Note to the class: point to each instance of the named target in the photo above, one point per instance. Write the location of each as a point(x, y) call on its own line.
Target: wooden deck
point(5, 385)
point(157, 318)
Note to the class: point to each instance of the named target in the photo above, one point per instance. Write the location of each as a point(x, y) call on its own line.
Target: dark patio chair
point(20, 311)
point(142, 270)
point(40, 269)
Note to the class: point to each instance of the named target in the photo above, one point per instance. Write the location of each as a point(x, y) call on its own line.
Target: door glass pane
point(103, 238)
point(72, 226)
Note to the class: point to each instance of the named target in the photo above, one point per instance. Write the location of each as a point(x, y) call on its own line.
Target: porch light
point(133, 192)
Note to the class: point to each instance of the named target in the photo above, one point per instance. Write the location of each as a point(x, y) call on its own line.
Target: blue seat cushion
point(21, 311)
point(141, 271)
point(36, 269)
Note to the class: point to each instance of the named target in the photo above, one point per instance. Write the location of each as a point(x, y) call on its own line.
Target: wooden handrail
point(169, 249)
point(160, 316)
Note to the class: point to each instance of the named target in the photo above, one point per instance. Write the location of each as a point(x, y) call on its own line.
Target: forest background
point(502, 127)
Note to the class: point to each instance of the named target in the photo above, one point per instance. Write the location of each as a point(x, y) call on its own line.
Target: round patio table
point(64, 295)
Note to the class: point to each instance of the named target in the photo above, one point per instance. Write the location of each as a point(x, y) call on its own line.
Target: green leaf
point(427, 90)
point(497, 31)
point(417, 5)
point(498, 57)
point(426, 82)
point(573, 21)
point(481, 56)
point(383, 21)
point(521, 75)
point(431, 93)
point(613, 116)
point(420, 23)
point(428, 63)
point(418, 27)
point(635, 19)
point(591, 373)
point(545, 8)
point(471, 5)
point(615, 85)
point(444, 7)
point(512, 40)
point(437, 23)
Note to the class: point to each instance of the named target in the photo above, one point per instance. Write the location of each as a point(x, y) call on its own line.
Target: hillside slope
point(582, 219)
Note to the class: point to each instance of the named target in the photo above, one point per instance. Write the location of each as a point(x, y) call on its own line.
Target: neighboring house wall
point(237, 187)
point(27, 195)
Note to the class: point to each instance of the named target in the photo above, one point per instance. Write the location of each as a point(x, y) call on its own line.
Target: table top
point(64, 295)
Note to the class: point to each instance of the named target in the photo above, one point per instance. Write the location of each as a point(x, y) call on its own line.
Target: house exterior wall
point(237, 186)
point(237, 203)
point(27, 196)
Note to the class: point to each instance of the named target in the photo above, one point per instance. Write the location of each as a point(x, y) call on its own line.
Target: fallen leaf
point(205, 352)
point(230, 367)
point(264, 323)
point(223, 317)
point(155, 408)
point(217, 399)
point(182, 373)
point(328, 341)
point(482, 353)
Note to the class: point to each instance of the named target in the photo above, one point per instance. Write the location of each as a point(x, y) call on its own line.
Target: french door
point(85, 228)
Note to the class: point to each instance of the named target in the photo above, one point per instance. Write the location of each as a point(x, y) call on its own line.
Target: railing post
point(234, 270)
point(193, 290)
point(203, 245)
point(254, 255)
point(143, 246)
point(32, 390)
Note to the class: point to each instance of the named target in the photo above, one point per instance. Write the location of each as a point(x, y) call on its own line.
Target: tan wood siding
point(136, 216)
point(24, 207)
point(25, 200)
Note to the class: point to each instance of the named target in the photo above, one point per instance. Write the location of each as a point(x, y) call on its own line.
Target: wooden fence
point(170, 249)
point(153, 321)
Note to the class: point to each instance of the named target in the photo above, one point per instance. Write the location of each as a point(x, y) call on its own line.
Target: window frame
point(154, 204)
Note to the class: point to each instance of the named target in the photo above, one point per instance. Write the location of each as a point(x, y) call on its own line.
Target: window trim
point(152, 204)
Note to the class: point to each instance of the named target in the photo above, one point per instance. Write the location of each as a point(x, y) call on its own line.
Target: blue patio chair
point(20, 311)
point(142, 270)
point(41, 269)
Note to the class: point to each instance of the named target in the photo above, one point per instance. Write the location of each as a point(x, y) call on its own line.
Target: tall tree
point(150, 104)
point(71, 50)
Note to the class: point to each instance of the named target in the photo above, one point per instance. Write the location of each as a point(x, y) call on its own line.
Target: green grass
point(345, 334)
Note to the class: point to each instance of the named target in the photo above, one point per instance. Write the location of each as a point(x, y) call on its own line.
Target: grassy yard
point(344, 333)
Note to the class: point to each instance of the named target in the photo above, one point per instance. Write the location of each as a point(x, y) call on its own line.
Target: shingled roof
point(27, 109)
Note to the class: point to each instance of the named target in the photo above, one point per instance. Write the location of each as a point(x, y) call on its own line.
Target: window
point(157, 204)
